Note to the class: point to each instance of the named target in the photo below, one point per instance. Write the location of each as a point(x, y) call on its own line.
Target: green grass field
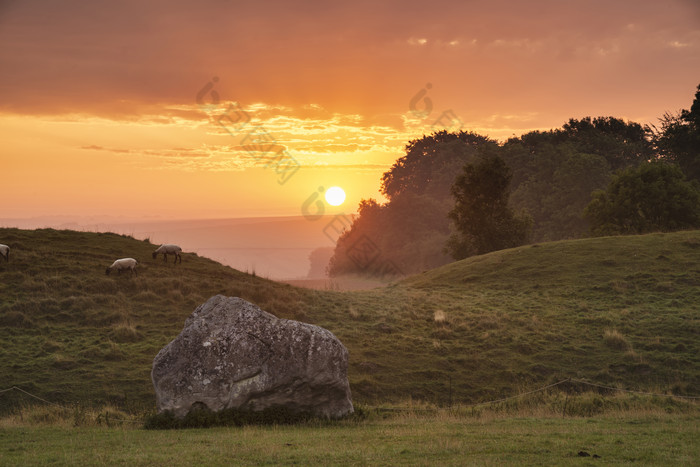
point(620, 311)
point(440, 438)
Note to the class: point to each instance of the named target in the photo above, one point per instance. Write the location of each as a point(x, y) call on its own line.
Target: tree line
point(454, 195)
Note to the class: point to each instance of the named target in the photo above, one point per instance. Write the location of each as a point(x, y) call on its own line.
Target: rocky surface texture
point(232, 354)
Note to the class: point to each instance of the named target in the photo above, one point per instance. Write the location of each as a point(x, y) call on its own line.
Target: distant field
point(338, 283)
point(620, 311)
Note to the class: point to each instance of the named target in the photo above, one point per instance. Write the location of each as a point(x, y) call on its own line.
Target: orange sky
point(98, 113)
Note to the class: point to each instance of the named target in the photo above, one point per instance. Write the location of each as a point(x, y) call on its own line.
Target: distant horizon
point(157, 219)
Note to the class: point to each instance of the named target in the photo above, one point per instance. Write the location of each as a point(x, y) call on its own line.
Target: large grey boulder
point(232, 354)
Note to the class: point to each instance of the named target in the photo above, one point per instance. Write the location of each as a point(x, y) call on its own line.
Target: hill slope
point(620, 310)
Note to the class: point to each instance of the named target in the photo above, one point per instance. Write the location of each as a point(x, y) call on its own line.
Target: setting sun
point(335, 196)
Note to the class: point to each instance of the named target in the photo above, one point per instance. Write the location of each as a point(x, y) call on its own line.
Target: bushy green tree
point(555, 171)
point(430, 164)
point(654, 196)
point(679, 138)
point(621, 143)
point(557, 188)
point(481, 214)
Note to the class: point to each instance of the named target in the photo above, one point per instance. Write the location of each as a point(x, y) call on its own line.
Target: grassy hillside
point(623, 310)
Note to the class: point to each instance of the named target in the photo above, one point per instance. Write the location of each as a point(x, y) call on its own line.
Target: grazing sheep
point(121, 264)
point(5, 252)
point(168, 249)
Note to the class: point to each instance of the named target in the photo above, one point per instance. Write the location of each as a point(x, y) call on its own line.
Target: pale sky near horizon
point(98, 110)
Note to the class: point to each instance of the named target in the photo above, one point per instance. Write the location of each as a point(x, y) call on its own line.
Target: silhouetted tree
point(622, 143)
point(555, 171)
point(408, 233)
point(679, 138)
point(431, 163)
point(654, 196)
point(553, 175)
point(318, 262)
point(483, 219)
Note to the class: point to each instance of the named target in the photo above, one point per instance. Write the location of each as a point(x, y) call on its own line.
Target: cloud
point(168, 153)
point(417, 41)
point(119, 58)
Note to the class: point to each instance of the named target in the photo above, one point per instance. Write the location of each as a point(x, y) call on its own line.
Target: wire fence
point(612, 388)
point(32, 395)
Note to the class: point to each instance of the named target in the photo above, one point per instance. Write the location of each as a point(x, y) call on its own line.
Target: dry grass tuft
point(113, 352)
point(632, 356)
point(62, 361)
point(65, 416)
point(620, 286)
point(439, 316)
point(125, 331)
point(615, 340)
point(51, 346)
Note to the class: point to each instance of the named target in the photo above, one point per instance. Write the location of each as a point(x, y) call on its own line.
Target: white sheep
point(168, 249)
point(5, 252)
point(122, 264)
